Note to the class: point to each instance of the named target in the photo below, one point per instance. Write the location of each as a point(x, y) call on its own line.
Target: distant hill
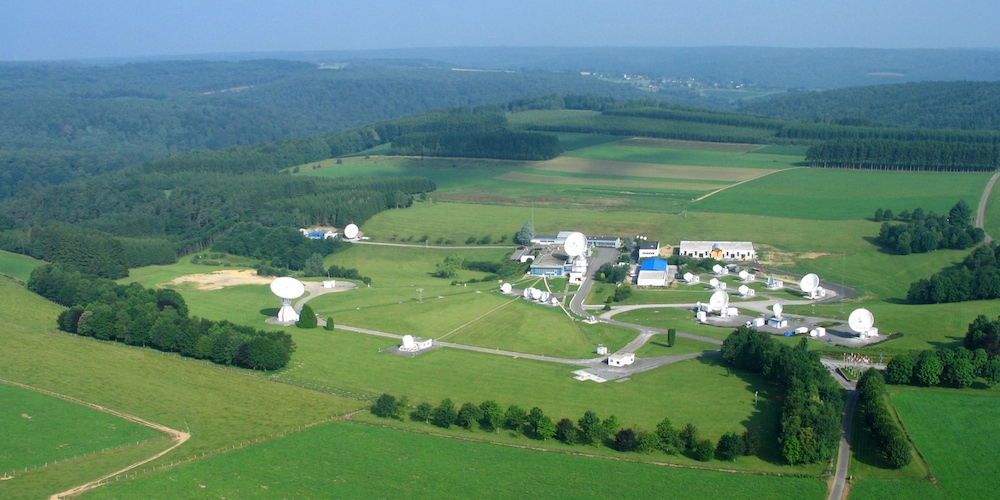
point(963, 105)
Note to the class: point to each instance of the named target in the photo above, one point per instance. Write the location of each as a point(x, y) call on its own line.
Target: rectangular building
point(719, 250)
point(649, 249)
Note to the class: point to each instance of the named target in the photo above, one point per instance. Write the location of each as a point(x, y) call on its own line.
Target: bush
point(567, 432)
point(731, 446)
point(444, 415)
point(704, 450)
point(385, 406)
point(307, 318)
point(329, 323)
point(626, 440)
point(900, 369)
point(423, 412)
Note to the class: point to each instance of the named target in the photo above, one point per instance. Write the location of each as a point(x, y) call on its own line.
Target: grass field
point(702, 154)
point(336, 461)
point(647, 171)
point(657, 346)
point(17, 266)
point(36, 429)
point(954, 430)
point(816, 193)
point(670, 317)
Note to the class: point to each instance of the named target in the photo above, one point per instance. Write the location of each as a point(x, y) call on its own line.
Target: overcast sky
point(73, 29)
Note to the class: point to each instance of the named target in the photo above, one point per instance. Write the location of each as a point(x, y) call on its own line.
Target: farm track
point(178, 437)
point(983, 201)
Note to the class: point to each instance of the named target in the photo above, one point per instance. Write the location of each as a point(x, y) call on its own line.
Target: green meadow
point(17, 266)
point(36, 429)
point(706, 154)
point(336, 461)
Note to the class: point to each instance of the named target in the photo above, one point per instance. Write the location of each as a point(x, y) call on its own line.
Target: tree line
point(922, 233)
point(891, 154)
point(889, 439)
point(977, 277)
point(589, 429)
point(956, 367)
point(157, 318)
point(813, 402)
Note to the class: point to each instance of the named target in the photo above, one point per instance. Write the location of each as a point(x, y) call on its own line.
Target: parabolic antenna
point(714, 283)
point(809, 283)
point(861, 320)
point(575, 245)
point(744, 274)
point(688, 276)
point(719, 301)
point(527, 293)
point(544, 297)
point(506, 288)
point(777, 308)
point(407, 341)
point(744, 289)
point(536, 294)
point(716, 269)
point(287, 288)
point(351, 231)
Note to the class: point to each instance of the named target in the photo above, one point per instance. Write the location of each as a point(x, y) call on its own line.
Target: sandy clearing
point(221, 279)
point(573, 165)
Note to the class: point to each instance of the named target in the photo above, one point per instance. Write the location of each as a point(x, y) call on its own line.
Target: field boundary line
point(178, 436)
point(741, 182)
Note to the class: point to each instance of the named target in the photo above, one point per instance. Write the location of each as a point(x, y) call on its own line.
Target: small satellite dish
point(744, 274)
point(555, 301)
point(744, 289)
point(287, 288)
point(351, 231)
point(688, 276)
point(777, 308)
point(716, 269)
point(408, 342)
point(506, 288)
point(714, 283)
point(575, 245)
point(809, 283)
point(719, 301)
point(861, 320)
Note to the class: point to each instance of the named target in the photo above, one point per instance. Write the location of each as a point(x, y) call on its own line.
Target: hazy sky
point(70, 29)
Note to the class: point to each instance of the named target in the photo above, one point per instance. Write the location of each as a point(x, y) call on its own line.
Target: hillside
point(62, 121)
point(964, 105)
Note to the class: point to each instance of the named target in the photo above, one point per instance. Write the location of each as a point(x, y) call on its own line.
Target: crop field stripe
point(545, 179)
point(738, 183)
point(581, 165)
point(722, 147)
point(473, 320)
point(644, 179)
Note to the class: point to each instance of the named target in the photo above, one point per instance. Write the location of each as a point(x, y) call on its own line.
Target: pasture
point(691, 153)
point(17, 266)
point(337, 460)
point(36, 429)
point(954, 430)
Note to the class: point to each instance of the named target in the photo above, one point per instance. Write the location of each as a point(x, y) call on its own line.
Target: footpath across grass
point(336, 461)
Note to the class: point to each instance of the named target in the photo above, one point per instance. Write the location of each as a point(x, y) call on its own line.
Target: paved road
point(601, 257)
point(844, 454)
point(981, 210)
point(437, 247)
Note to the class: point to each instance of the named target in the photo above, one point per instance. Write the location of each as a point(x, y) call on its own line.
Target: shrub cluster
point(888, 436)
point(924, 233)
point(588, 429)
point(950, 367)
point(810, 416)
point(156, 318)
point(976, 278)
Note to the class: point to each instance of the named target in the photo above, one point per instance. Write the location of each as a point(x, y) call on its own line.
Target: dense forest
point(977, 277)
point(961, 105)
point(64, 121)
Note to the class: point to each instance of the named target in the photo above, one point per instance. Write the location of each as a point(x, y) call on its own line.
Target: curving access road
point(983, 201)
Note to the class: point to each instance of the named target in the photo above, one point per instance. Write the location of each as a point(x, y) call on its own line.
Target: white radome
point(408, 342)
point(688, 276)
point(777, 309)
point(714, 283)
point(861, 320)
point(351, 231)
point(287, 288)
point(576, 244)
point(506, 288)
point(744, 274)
point(744, 289)
point(716, 269)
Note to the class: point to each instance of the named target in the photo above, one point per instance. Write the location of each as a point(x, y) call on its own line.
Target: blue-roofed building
point(653, 272)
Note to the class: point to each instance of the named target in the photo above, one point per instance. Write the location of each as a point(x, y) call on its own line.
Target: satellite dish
point(555, 301)
point(527, 293)
point(809, 283)
point(714, 283)
point(506, 288)
point(861, 320)
point(688, 276)
point(744, 289)
point(716, 269)
point(777, 308)
point(545, 297)
point(575, 245)
point(408, 342)
point(351, 231)
point(536, 294)
point(287, 288)
point(719, 301)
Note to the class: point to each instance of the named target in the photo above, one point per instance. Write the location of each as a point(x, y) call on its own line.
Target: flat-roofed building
point(719, 250)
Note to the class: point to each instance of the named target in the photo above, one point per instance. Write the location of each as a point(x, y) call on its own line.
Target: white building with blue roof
point(653, 272)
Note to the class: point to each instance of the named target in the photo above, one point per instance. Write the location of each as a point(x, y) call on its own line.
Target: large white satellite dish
point(544, 297)
point(719, 301)
point(351, 231)
point(777, 308)
point(716, 269)
point(714, 283)
point(744, 289)
point(688, 276)
point(536, 294)
point(287, 288)
point(809, 284)
point(861, 320)
point(744, 274)
point(527, 293)
point(575, 245)
point(506, 288)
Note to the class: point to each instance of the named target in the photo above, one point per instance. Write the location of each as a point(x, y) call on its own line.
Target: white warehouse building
point(719, 250)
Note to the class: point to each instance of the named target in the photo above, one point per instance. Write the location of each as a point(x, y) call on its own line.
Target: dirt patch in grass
point(221, 279)
point(595, 181)
point(771, 256)
point(570, 164)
